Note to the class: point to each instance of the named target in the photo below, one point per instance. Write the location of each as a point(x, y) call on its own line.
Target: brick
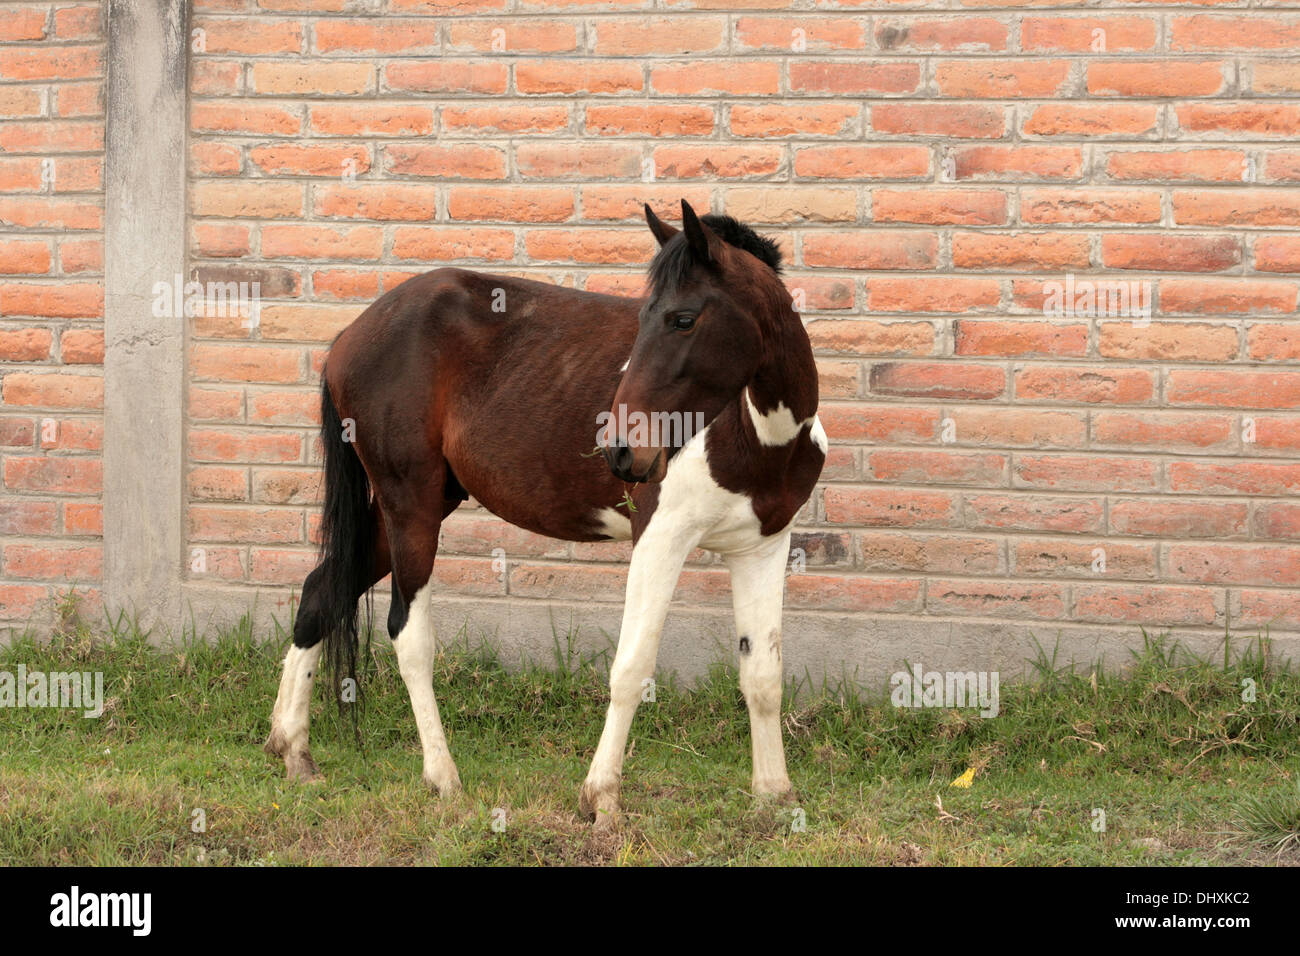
point(1234, 564)
point(871, 250)
point(259, 119)
point(49, 390)
point(862, 162)
point(1018, 428)
point(760, 204)
point(1167, 341)
point(1042, 206)
point(995, 599)
point(666, 36)
point(1116, 120)
point(850, 78)
point(21, 256)
point(931, 206)
point(1238, 477)
point(1236, 119)
point(866, 337)
point(1022, 512)
point(479, 77)
point(957, 120)
point(311, 79)
point(1000, 79)
point(304, 241)
point(1158, 606)
point(53, 562)
point(1015, 163)
point(1226, 296)
point(244, 525)
point(372, 119)
point(928, 553)
point(1110, 386)
point(890, 507)
point(939, 380)
point(878, 423)
point(591, 77)
point(804, 119)
point(1211, 32)
point(507, 119)
point(510, 203)
point(926, 294)
point(1273, 343)
point(1166, 78)
point(1233, 388)
point(627, 203)
point(1017, 339)
point(310, 160)
point(580, 161)
point(445, 162)
point(513, 36)
point(1165, 518)
point(590, 246)
point(82, 347)
point(1085, 473)
point(385, 202)
point(936, 468)
point(1098, 35)
point(72, 476)
point(1190, 165)
point(650, 119)
point(1025, 252)
point(386, 37)
point(968, 34)
point(1056, 558)
point(1164, 431)
point(246, 363)
point(438, 244)
point(780, 34)
point(716, 162)
point(255, 200)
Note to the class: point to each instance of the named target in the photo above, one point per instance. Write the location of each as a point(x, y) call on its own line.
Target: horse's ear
point(662, 231)
point(698, 235)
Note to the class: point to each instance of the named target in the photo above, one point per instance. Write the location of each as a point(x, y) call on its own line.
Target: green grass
point(1185, 771)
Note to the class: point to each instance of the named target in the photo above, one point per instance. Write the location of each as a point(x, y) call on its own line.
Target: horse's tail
point(348, 531)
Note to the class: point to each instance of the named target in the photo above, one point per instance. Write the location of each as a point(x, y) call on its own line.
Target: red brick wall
point(928, 172)
point(51, 304)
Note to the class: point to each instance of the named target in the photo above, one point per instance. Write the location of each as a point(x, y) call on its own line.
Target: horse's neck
point(788, 375)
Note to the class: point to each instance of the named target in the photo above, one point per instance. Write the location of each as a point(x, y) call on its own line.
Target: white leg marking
point(415, 648)
point(657, 562)
point(757, 586)
point(291, 716)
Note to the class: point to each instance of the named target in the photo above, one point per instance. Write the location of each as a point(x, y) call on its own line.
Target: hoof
point(774, 791)
point(599, 805)
point(445, 786)
point(302, 768)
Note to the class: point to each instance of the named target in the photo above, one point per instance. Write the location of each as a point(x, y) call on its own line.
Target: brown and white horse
point(703, 399)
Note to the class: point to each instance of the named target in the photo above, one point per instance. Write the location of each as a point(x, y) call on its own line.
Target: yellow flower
point(965, 779)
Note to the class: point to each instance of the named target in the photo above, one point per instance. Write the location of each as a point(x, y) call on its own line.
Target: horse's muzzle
point(622, 462)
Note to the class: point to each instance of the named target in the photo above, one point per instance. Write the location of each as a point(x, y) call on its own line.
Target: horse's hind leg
point(290, 717)
point(413, 526)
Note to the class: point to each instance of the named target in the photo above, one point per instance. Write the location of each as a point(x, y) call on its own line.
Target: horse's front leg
point(757, 589)
point(657, 561)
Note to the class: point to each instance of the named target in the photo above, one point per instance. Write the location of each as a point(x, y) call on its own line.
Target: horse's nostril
point(622, 457)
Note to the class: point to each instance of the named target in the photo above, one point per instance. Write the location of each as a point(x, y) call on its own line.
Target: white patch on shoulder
point(614, 523)
point(818, 435)
point(625, 365)
point(777, 427)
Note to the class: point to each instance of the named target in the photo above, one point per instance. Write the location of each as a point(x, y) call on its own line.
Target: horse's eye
point(683, 321)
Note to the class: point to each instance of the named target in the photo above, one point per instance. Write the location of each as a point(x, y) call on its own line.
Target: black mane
point(670, 266)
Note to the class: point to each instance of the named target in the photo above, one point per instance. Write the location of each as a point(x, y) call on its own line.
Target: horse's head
point(713, 286)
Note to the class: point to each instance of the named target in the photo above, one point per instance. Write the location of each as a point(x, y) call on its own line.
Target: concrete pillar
point(144, 360)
